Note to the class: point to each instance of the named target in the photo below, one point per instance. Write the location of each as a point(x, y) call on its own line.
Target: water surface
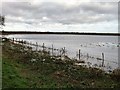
point(90, 45)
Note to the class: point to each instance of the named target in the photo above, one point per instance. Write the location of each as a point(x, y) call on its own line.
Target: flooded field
point(91, 47)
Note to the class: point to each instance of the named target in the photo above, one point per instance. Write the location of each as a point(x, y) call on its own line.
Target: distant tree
point(2, 20)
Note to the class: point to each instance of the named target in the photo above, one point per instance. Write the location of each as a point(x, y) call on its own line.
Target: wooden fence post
point(57, 52)
point(36, 46)
point(64, 51)
point(87, 56)
point(60, 53)
point(28, 44)
point(79, 54)
point(22, 42)
point(102, 59)
point(13, 40)
point(43, 47)
point(52, 49)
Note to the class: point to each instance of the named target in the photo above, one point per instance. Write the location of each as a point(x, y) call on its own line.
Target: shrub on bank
point(116, 74)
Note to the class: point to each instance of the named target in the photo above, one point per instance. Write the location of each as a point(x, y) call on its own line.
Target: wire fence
point(62, 52)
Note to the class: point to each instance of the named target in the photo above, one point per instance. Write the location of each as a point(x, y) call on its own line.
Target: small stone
point(43, 60)
point(92, 83)
point(33, 60)
point(58, 58)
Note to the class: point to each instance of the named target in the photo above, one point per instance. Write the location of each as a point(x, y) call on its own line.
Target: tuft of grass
point(116, 75)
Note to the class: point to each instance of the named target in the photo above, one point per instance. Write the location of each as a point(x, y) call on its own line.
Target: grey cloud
point(101, 8)
point(57, 13)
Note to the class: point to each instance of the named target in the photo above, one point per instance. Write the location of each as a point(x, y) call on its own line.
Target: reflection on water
point(91, 46)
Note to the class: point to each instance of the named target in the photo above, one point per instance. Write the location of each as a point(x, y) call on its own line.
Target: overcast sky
point(61, 15)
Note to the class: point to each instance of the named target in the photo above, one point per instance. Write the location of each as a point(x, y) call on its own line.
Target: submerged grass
point(24, 68)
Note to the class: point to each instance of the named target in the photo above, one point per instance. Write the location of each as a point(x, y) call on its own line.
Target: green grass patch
point(10, 75)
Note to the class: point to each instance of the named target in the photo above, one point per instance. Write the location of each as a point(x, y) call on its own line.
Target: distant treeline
point(73, 33)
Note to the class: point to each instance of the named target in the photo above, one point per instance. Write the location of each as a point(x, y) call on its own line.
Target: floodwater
point(91, 47)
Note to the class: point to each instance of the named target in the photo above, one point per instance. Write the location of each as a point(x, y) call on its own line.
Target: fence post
point(13, 40)
point(57, 52)
point(60, 53)
point(28, 44)
point(52, 49)
point(36, 46)
point(102, 59)
point(79, 54)
point(22, 42)
point(43, 47)
point(64, 51)
point(87, 56)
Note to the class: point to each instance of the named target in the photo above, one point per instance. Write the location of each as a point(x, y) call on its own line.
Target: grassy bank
point(24, 68)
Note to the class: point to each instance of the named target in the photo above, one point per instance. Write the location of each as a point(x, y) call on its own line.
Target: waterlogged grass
point(28, 69)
